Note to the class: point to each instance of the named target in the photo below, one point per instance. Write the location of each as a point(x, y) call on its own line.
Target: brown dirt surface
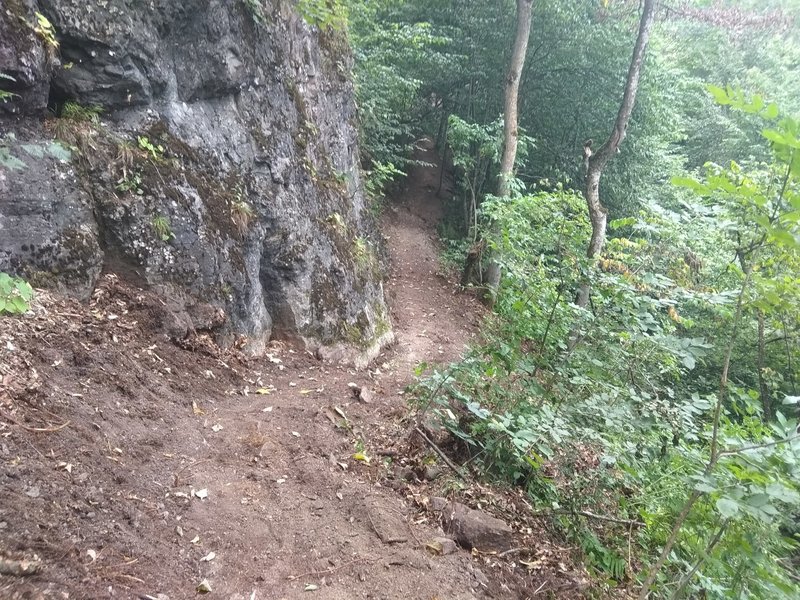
point(135, 467)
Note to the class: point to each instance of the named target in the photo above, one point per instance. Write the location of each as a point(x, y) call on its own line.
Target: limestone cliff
point(203, 148)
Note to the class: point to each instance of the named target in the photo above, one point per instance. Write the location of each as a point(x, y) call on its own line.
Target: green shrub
point(15, 295)
point(82, 114)
point(162, 228)
point(325, 14)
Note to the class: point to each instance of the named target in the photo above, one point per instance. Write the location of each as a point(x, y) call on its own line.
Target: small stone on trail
point(362, 394)
point(441, 546)
point(473, 528)
point(480, 577)
point(432, 473)
point(438, 504)
point(390, 527)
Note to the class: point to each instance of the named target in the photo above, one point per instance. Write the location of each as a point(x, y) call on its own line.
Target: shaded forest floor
point(133, 467)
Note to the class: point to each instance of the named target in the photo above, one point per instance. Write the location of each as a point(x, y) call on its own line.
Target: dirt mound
point(135, 467)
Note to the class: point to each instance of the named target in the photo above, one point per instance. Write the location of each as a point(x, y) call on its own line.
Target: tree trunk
point(763, 386)
point(595, 162)
point(510, 128)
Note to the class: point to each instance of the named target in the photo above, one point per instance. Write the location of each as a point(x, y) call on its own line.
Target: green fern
point(4, 95)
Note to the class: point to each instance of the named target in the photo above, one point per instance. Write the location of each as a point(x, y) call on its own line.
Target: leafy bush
point(15, 295)
point(325, 14)
point(156, 151)
point(650, 407)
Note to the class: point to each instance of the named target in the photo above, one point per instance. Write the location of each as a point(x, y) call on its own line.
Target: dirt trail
point(432, 321)
point(178, 465)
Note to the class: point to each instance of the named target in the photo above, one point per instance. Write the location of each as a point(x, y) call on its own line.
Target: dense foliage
point(657, 424)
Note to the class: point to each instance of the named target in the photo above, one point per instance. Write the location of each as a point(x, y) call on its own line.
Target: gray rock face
point(24, 60)
point(221, 165)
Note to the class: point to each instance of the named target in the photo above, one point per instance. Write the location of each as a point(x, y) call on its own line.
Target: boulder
point(473, 528)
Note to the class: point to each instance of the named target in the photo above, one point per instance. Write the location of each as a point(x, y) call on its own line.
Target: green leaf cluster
point(15, 295)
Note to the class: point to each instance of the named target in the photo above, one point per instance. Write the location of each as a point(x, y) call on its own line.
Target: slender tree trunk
point(699, 562)
point(595, 162)
point(762, 364)
point(510, 128)
point(441, 144)
point(789, 356)
point(511, 108)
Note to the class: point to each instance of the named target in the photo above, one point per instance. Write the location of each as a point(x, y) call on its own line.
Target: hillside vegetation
point(642, 389)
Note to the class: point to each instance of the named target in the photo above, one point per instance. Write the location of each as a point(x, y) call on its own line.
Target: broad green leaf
point(782, 493)
point(720, 95)
point(620, 223)
point(694, 185)
point(757, 500)
point(59, 151)
point(705, 488)
point(772, 111)
point(774, 136)
point(25, 290)
point(18, 305)
point(727, 507)
point(783, 237)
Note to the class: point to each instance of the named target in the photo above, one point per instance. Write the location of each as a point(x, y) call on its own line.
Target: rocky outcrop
point(204, 148)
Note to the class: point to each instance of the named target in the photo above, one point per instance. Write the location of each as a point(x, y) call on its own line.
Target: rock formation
point(203, 148)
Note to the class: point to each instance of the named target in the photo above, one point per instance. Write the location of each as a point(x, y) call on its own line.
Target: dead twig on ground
point(411, 531)
point(10, 419)
point(591, 515)
point(511, 551)
point(331, 569)
point(371, 522)
point(441, 453)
